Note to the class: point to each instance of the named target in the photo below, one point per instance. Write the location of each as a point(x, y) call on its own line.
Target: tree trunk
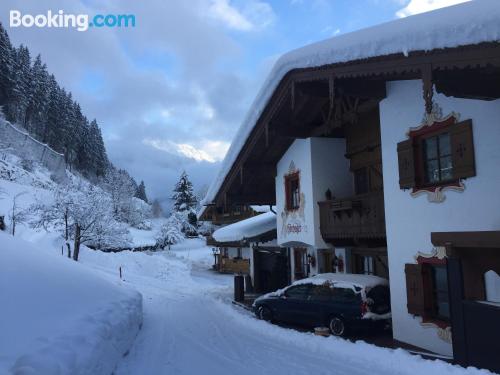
point(76, 247)
point(69, 249)
point(66, 226)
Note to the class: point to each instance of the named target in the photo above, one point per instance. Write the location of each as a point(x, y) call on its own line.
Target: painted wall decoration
point(293, 221)
point(436, 256)
point(433, 122)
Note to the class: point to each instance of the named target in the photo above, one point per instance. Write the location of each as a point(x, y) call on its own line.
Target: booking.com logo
point(80, 22)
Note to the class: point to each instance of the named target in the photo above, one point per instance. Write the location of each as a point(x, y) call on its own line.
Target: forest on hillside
point(31, 98)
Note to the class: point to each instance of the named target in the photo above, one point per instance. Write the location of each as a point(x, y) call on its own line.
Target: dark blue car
point(341, 302)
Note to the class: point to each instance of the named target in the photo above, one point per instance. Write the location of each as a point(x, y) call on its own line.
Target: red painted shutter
point(406, 164)
point(462, 146)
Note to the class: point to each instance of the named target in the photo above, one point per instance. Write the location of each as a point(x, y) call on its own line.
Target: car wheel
point(337, 326)
point(265, 313)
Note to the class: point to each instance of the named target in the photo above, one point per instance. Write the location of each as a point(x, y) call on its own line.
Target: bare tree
point(17, 214)
point(84, 214)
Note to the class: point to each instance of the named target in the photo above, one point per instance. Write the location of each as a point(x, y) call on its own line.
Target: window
point(427, 291)
point(298, 292)
point(239, 253)
point(436, 155)
point(437, 159)
point(440, 301)
point(322, 293)
point(292, 190)
point(364, 264)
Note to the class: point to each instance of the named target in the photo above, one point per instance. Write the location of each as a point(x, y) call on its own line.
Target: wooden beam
point(473, 240)
point(394, 66)
point(427, 86)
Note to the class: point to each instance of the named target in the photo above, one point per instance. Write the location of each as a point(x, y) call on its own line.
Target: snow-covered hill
point(58, 316)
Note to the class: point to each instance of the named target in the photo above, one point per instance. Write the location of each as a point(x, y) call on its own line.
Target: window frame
point(291, 205)
point(433, 291)
point(421, 160)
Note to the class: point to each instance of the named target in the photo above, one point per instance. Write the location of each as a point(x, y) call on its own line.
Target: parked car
point(341, 302)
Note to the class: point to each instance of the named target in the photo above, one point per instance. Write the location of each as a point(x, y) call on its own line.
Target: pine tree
point(31, 97)
point(183, 196)
point(6, 71)
point(36, 114)
point(23, 85)
point(141, 192)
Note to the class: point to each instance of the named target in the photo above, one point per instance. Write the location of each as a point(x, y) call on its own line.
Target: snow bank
point(321, 355)
point(247, 228)
point(464, 24)
point(58, 317)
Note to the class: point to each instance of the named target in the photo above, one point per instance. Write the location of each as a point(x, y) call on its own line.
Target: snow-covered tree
point(183, 196)
point(170, 233)
point(141, 192)
point(32, 99)
point(156, 209)
point(122, 188)
point(84, 214)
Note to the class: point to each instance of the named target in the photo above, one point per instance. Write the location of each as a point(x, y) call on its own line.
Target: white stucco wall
point(322, 166)
point(330, 170)
point(410, 220)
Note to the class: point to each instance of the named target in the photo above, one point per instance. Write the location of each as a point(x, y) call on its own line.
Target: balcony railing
point(358, 217)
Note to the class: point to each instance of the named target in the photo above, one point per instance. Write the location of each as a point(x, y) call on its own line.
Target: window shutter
point(414, 289)
point(406, 164)
point(462, 147)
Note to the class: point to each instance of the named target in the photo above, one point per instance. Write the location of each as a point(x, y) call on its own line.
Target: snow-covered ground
point(191, 327)
point(58, 317)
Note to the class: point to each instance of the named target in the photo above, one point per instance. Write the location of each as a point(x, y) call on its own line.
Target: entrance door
point(270, 269)
point(300, 263)
point(326, 264)
point(475, 325)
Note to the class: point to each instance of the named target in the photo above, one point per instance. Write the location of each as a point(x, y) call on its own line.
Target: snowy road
point(190, 327)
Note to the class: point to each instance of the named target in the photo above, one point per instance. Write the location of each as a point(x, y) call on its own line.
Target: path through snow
point(190, 327)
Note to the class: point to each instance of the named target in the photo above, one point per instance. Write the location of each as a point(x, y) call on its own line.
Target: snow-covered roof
point(464, 24)
point(261, 209)
point(201, 211)
point(248, 228)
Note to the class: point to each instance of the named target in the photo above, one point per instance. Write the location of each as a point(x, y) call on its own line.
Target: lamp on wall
point(311, 260)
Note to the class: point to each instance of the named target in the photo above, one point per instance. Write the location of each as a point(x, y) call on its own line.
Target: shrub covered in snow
point(172, 231)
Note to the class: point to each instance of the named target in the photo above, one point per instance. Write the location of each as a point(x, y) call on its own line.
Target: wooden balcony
point(231, 217)
point(355, 218)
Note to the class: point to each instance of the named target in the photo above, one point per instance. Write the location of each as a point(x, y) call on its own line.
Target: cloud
point(330, 31)
point(421, 6)
point(209, 151)
point(253, 15)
